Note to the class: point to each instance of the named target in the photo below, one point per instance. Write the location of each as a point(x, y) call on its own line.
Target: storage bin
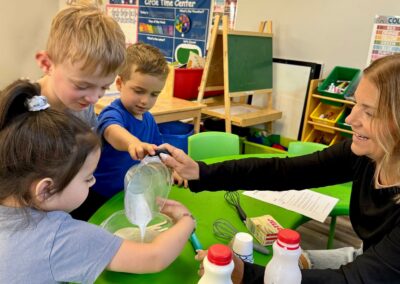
point(342, 124)
point(327, 115)
point(255, 148)
point(322, 137)
point(187, 83)
point(176, 133)
point(257, 143)
point(338, 74)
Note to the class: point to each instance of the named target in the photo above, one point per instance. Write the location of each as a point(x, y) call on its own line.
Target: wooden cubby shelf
point(313, 101)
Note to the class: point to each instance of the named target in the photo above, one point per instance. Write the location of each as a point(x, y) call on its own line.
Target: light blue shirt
point(40, 247)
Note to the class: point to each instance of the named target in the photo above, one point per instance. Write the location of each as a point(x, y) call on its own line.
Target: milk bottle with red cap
point(284, 265)
point(218, 265)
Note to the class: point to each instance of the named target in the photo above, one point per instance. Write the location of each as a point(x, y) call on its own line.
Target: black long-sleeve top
point(374, 214)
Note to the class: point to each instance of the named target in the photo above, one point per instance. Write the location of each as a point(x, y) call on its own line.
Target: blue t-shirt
point(40, 247)
point(114, 164)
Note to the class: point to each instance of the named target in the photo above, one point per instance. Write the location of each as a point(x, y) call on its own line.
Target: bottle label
point(287, 246)
point(248, 258)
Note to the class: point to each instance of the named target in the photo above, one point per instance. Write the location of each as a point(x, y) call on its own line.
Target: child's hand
point(178, 180)
point(174, 209)
point(139, 150)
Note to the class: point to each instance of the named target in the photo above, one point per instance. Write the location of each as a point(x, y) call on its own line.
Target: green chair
point(212, 144)
point(304, 148)
point(343, 191)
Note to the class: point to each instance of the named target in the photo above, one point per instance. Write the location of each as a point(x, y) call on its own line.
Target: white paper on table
point(309, 203)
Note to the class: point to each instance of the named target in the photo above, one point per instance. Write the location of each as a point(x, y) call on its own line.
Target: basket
point(327, 115)
point(322, 137)
point(176, 133)
point(338, 76)
point(342, 124)
point(187, 82)
point(257, 143)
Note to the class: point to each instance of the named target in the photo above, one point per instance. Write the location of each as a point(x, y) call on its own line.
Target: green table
point(206, 207)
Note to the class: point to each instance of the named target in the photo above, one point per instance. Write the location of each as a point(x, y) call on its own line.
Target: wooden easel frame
point(256, 115)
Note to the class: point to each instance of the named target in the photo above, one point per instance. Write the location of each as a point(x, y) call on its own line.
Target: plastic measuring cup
point(147, 185)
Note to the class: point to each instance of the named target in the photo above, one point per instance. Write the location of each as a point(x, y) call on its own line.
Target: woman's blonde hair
point(384, 73)
point(83, 33)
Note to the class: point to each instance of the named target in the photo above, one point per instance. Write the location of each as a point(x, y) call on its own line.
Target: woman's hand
point(181, 163)
point(238, 270)
point(178, 180)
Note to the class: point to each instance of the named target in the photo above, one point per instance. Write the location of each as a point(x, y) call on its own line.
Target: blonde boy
point(129, 130)
point(84, 50)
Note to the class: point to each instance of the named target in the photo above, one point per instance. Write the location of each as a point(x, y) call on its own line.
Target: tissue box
point(264, 228)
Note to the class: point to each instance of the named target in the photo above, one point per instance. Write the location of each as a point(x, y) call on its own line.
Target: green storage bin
point(255, 148)
point(342, 124)
point(241, 141)
point(340, 73)
point(258, 144)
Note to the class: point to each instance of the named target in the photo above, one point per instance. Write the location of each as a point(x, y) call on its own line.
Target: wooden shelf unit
point(313, 101)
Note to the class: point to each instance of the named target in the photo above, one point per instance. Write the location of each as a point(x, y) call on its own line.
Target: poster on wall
point(125, 13)
point(176, 27)
point(226, 7)
point(385, 39)
point(127, 2)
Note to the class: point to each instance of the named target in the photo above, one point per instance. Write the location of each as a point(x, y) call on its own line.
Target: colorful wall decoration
point(176, 27)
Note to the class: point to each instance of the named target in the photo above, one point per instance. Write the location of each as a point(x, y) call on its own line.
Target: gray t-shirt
point(88, 116)
point(52, 247)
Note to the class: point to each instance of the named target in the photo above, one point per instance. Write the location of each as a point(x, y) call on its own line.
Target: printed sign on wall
point(226, 7)
point(127, 17)
point(176, 27)
point(385, 38)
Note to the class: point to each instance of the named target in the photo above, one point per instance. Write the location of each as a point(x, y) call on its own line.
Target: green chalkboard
point(249, 62)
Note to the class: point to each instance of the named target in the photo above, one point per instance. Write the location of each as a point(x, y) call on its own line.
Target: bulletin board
point(176, 27)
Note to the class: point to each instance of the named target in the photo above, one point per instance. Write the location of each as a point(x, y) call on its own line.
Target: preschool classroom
point(259, 78)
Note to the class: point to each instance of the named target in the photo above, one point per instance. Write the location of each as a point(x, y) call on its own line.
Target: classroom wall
point(23, 28)
point(328, 32)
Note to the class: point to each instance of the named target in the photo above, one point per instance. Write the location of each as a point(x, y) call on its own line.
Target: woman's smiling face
point(365, 136)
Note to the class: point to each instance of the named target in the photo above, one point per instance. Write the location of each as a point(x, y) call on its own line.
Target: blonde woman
point(370, 159)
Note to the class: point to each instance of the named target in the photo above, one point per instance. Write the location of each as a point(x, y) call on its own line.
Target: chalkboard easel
point(240, 64)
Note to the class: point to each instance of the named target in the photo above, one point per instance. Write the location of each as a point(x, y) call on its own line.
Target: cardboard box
point(264, 228)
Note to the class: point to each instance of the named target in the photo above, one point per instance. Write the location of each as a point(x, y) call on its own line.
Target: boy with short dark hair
point(128, 129)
